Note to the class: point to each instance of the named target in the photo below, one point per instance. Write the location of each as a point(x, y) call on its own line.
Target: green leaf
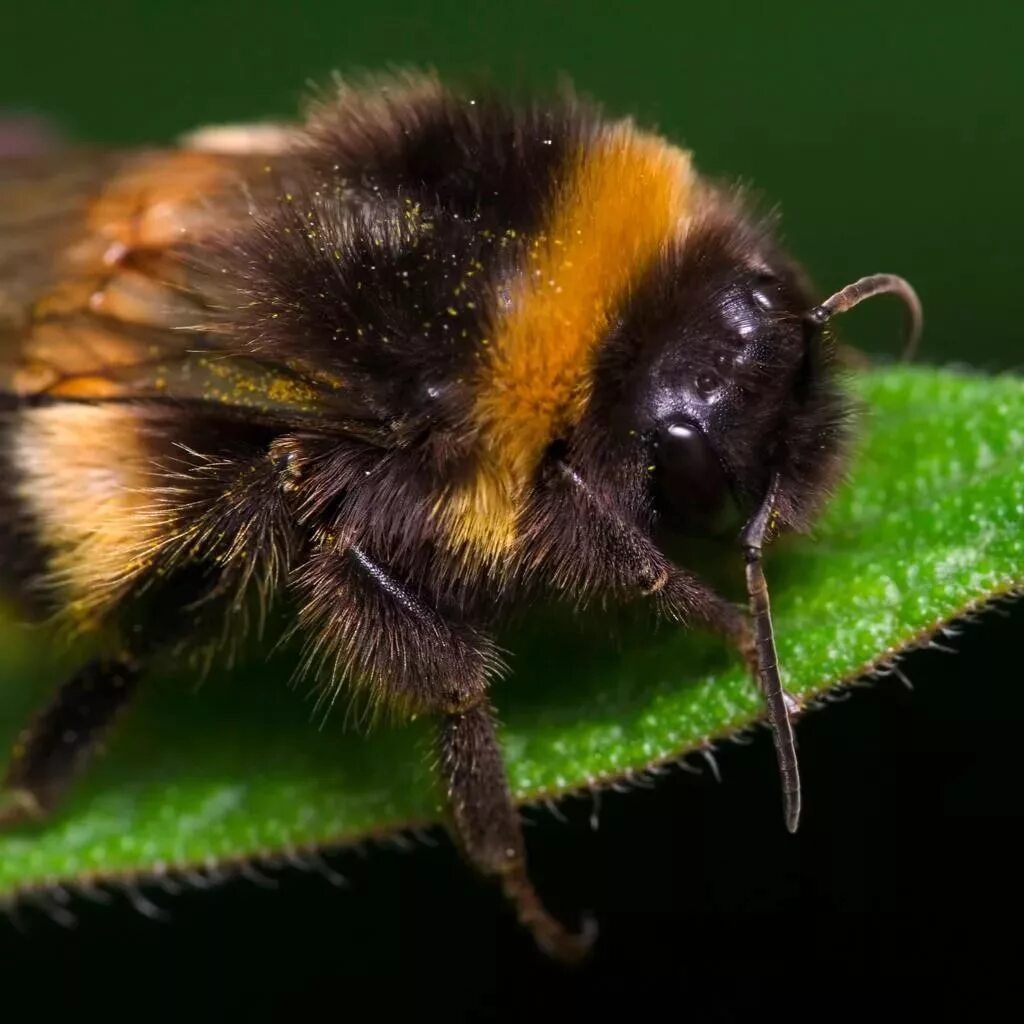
point(929, 527)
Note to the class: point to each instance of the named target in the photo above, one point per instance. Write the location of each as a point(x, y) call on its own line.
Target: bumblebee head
point(721, 370)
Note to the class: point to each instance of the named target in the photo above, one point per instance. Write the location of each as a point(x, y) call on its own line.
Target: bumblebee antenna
point(868, 287)
point(752, 538)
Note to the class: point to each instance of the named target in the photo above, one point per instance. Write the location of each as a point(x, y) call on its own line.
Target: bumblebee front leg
point(415, 661)
point(581, 544)
point(619, 558)
point(55, 746)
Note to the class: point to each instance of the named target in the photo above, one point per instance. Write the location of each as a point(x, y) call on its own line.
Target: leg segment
point(363, 622)
point(367, 628)
point(56, 745)
point(486, 825)
point(580, 543)
point(679, 594)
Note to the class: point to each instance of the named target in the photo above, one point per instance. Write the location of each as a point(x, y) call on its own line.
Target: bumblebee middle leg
point(415, 660)
point(486, 825)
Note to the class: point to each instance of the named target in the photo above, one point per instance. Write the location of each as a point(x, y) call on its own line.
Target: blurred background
point(891, 138)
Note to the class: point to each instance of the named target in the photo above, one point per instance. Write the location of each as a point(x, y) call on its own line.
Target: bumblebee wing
point(41, 199)
point(98, 300)
point(88, 284)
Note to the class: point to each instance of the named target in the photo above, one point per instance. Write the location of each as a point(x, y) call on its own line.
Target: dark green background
point(891, 138)
point(889, 135)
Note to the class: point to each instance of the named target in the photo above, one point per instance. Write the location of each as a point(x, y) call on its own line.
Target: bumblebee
point(398, 370)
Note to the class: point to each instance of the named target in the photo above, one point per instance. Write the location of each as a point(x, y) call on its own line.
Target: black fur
point(381, 306)
point(364, 625)
point(478, 156)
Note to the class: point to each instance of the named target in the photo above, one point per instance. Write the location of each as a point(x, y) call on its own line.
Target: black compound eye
point(693, 492)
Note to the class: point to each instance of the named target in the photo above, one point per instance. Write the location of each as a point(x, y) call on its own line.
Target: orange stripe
point(624, 199)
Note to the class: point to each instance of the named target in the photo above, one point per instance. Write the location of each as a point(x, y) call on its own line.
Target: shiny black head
point(717, 378)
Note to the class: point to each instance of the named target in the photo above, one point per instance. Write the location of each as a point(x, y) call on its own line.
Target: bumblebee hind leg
point(53, 749)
